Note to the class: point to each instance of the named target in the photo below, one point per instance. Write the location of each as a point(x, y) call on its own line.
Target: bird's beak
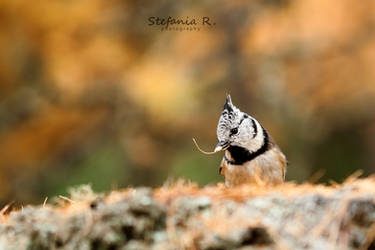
point(222, 145)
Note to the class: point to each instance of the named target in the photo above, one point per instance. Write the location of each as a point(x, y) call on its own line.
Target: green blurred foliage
point(90, 93)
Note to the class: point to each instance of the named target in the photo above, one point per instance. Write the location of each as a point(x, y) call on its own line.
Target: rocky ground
point(183, 216)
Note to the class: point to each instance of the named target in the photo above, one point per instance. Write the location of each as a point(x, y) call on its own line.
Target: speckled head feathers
point(236, 128)
point(229, 118)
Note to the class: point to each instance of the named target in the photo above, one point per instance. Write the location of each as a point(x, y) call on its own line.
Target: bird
point(250, 153)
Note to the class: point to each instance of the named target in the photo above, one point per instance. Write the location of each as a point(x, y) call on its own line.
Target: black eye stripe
point(255, 128)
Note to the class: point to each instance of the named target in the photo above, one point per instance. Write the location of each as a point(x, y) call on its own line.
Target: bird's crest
point(228, 104)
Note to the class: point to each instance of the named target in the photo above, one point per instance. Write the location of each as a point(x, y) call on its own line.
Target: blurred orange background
point(91, 93)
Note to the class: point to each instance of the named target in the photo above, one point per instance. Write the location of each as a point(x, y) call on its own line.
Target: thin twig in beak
point(204, 152)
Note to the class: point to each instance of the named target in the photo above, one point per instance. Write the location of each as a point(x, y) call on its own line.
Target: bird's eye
point(234, 131)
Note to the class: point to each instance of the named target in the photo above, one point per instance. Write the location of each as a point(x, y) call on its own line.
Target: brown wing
point(281, 158)
point(223, 166)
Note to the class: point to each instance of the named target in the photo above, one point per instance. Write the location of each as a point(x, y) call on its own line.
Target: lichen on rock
point(183, 216)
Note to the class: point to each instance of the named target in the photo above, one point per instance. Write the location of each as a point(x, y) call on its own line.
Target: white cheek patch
point(250, 135)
